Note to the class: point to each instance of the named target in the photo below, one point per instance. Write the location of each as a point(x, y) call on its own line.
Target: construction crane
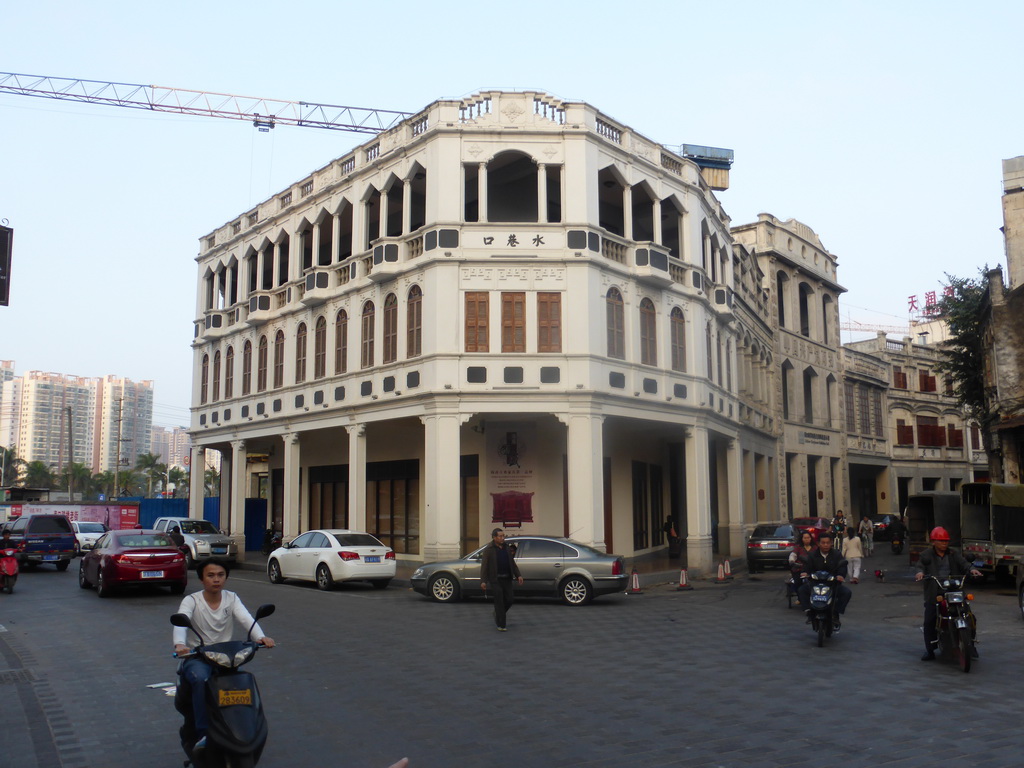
point(264, 113)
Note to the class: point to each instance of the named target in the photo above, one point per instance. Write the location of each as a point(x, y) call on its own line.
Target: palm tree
point(80, 477)
point(179, 477)
point(103, 482)
point(132, 483)
point(148, 463)
point(212, 478)
point(37, 475)
point(12, 465)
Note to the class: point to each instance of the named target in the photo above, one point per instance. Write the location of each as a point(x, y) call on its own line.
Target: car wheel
point(190, 562)
point(380, 583)
point(102, 589)
point(83, 582)
point(63, 565)
point(78, 549)
point(324, 580)
point(444, 588)
point(576, 590)
point(751, 566)
point(274, 572)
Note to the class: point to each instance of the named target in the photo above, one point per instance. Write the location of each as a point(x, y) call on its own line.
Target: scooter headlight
point(954, 597)
point(229, 662)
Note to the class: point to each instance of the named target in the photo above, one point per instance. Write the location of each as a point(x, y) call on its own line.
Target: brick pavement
point(703, 678)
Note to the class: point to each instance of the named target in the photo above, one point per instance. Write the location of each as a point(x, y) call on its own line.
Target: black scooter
point(823, 607)
point(237, 726)
point(956, 627)
point(896, 542)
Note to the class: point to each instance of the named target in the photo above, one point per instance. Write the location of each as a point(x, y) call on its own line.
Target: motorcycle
point(896, 542)
point(823, 605)
point(271, 541)
point(237, 725)
point(8, 569)
point(955, 622)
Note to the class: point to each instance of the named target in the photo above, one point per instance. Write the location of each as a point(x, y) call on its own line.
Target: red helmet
point(939, 534)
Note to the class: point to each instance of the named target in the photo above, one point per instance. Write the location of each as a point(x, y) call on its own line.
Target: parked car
point(133, 558)
point(551, 566)
point(814, 525)
point(333, 555)
point(202, 539)
point(44, 538)
point(770, 545)
point(86, 534)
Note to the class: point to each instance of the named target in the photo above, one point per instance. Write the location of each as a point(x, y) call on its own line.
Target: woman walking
point(853, 551)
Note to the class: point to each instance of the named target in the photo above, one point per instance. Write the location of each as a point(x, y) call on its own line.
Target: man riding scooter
point(940, 561)
point(825, 558)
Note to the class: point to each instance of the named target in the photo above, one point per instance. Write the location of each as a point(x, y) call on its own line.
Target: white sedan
point(86, 535)
point(333, 555)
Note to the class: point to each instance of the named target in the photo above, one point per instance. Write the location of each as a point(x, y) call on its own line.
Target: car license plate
point(152, 574)
point(220, 550)
point(235, 698)
point(771, 545)
point(51, 557)
point(372, 559)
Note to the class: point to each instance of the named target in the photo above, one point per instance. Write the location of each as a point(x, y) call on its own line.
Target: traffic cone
point(728, 571)
point(684, 583)
point(634, 583)
point(721, 574)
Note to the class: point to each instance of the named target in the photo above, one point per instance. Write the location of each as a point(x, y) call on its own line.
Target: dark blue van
point(44, 538)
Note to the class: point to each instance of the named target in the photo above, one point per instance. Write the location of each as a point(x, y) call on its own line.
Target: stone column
point(481, 192)
point(406, 206)
point(656, 218)
point(315, 259)
point(335, 237)
point(239, 462)
point(736, 485)
point(699, 555)
point(225, 491)
point(292, 489)
point(627, 212)
point(585, 446)
point(382, 225)
point(197, 482)
point(442, 509)
point(542, 193)
point(357, 477)
point(229, 286)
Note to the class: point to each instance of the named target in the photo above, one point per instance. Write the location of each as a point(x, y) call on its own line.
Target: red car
point(813, 525)
point(133, 558)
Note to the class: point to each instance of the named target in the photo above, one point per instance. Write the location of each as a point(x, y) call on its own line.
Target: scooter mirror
point(181, 620)
point(265, 610)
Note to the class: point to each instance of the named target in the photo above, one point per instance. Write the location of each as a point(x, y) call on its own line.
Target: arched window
point(390, 328)
point(247, 368)
point(616, 325)
point(279, 360)
point(261, 365)
point(678, 333)
point(300, 354)
point(648, 334)
point(414, 323)
point(216, 376)
point(229, 373)
point(320, 349)
point(341, 343)
point(204, 391)
point(366, 356)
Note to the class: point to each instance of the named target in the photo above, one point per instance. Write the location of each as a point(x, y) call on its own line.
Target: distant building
point(172, 446)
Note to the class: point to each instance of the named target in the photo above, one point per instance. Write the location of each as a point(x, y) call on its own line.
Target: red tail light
point(618, 567)
point(753, 545)
point(344, 555)
point(389, 556)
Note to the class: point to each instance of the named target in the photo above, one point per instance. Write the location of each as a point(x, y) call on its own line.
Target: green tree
point(81, 476)
point(179, 478)
point(37, 474)
point(103, 482)
point(12, 465)
point(212, 480)
point(149, 465)
point(132, 483)
point(963, 309)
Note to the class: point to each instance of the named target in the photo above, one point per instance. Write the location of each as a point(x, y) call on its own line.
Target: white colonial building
point(509, 310)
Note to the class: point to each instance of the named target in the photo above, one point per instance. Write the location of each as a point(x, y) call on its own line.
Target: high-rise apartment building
point(172, 446)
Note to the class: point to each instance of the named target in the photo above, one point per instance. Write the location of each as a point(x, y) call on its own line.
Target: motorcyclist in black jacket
point(825, 558)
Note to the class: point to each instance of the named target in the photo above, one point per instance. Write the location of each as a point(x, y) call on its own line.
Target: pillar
point(239, 461)
point(357, 476)
point(292, 489)
point(225, 491)
point(335, 237)
point(585, 443)
point(382, 223)
point(442, 509)
point(481, 192)
point(314, 260)
point(406, 206)
point(627, 211)
point(656, 217)
point(197, 482)
point(699, 556)
point(542, 193)
point(736, 488)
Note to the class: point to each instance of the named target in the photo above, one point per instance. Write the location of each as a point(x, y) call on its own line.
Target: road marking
point(3, 628)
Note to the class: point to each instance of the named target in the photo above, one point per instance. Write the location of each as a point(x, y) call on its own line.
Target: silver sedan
point(551, 566)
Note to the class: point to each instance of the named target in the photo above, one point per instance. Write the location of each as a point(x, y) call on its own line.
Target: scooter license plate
point(152, 574)
point(235, 698)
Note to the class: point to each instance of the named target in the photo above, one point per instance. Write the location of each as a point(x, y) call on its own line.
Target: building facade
point(507, 310)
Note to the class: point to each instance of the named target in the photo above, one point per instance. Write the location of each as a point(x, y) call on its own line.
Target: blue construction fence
point(255, 515)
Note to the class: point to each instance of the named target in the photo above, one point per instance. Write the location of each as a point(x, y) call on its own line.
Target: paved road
point(724, 675)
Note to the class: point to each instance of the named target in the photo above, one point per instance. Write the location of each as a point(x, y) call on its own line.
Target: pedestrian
point(853, 551)
point(497, 570)
point(867, 535)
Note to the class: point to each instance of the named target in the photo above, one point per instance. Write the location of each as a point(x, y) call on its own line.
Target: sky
point(880, 125)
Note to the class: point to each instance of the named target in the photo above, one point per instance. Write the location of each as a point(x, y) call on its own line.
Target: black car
point(881, 524)
point(44, 538)
point(770, 544)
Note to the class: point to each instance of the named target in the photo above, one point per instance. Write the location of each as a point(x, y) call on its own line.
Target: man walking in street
point(497, 569)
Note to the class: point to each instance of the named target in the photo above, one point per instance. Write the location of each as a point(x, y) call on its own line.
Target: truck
point(925, 511)
point(992, 526)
